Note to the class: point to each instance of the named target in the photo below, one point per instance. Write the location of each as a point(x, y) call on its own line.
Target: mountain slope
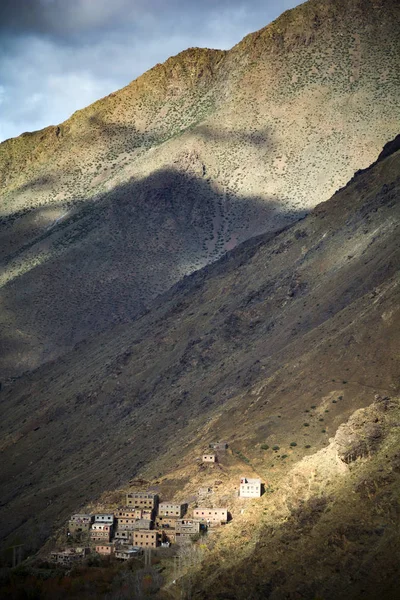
point(107, 210)
point(239, 351)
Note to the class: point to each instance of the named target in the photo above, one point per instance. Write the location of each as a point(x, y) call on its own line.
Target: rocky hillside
point(279, 341)
point(107, 210)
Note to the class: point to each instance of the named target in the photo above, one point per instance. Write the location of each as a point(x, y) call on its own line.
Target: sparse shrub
point(313, 406)
point(323, 430)
point(306, 424)
point(307, 446)
point(264, 447)
point(275, 448)
point(293, 444)
point(284, 456)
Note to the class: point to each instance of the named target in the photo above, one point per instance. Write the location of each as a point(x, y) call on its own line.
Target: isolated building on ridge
point(250, 488)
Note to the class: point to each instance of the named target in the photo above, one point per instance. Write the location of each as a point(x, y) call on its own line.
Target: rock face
point(362, 434)
point(107, 210)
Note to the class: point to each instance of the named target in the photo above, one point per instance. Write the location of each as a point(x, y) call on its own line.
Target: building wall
point(250, 488)
point(171, 510)
point(76, 527)
point(141, 500)
point(213, 515)
point(104, 518)
point(146, 539)
point(209, 458)
point(189, 528)
point(129, 513)
point(100, 532)
point(106, 549)
point(124, 536)
point(250, 492)
point(168, 522)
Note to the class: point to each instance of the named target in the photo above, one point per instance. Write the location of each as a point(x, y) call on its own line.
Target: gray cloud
point(59, 55)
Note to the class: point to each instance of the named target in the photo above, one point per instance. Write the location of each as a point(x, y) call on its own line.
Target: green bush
point(293, 444)
point(276, 448)
point(306, 424)
point(308, 446)
point(264, 447)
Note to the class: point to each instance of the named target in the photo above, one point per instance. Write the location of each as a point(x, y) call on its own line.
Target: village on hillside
point(146, 523)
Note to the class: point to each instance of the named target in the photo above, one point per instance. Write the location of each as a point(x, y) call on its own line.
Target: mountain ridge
point(215, 147)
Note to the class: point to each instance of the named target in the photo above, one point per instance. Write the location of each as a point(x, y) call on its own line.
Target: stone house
point(185, 529)
point(167, 535)
point(128, 552)
point(69, 556)
point(105, 549)
point(148, 513)
point(123, 536)
point(104, 518)
point(250, 488)
point(128, 512)
point(144, 524)
point(211, 516)
point(127, 523)
point(101, 532)
point(209, 458)
point(165, 522)
point(80, 523)
point(167, 509)
point(144, 500)
point(146, 538)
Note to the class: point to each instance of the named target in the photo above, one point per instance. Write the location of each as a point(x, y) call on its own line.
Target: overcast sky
point(60, 55)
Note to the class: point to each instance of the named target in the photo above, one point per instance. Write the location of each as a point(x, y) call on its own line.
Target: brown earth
point(107, 210)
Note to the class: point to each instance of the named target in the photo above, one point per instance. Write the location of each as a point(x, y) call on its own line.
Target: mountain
point(277, 343)
point(107, 210)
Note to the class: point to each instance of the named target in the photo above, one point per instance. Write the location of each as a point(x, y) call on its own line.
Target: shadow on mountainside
point(239, 350)
point(108, 258)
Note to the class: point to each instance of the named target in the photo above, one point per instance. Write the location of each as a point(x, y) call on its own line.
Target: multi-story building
point(101, 532)
point(134, 524)
point(167, 509)
point(149, 513)
point(146, 538)
point(211, 516)
point(127, 523)
point(186, 528)
point(123, 536)
point(80, 523)
point(104, 518)
point(250, 488)
point(128, 512)
point(142, 500)
point(105, 549)
point(165, 522)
